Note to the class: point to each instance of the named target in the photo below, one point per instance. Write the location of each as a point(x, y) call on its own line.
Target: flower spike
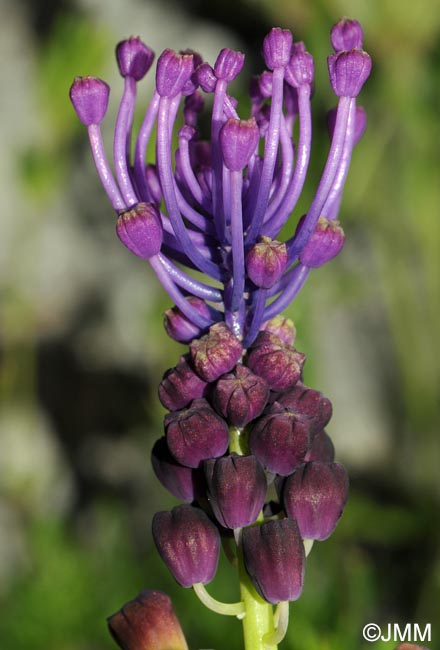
point(239, 417)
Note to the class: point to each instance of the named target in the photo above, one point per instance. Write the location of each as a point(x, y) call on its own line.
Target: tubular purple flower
point(280, 441)
point(322, 448)
point(346, 35)
point(275, 559)
point(147, 623)
point(282, 327)
point(315, 495)
point(266, 262)
point(134, 58)
point(189, 544)
point(185, 483)
point(325, 243)
point(308, 402)
point(172, 72)
point(89, 96)
point(179, 327)
point(181, 385)
point(348, 72)
point(140, 230)
point(228, 64)
point(240, 396)
point(277, 46)
point(278, 364)
point(196, 433)
point(215, 353)
point(300, 69)
point(236, 489)
point(238, 141)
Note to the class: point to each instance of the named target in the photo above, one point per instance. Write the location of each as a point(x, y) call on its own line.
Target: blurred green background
point(82, 347)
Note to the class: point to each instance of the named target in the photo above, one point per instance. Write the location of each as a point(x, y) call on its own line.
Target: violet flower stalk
point(239, 415)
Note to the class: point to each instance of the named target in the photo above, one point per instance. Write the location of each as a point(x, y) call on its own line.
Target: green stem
point(258, 621)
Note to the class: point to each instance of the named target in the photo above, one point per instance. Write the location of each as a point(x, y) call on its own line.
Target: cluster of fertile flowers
point(241, 424)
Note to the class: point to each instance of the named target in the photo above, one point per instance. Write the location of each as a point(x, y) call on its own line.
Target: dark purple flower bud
point(181, 385)
point(266, 262)
point(236, 489)
point(279, 364)
point(300, 69)
point(325, 243)
point(274, 558)
point(196, 433)
point(322, 448)
point(140, 230)
point(315, 495)
point(228, 64)
point(308, 402)
point(89, 96)
point(189, 544)
point(281, 440)
point(238, 141)
point(134, 58)
point(346, 35)
point(215, 353)
point(147, 623)
point(185, 483)
point(359, 126)
point(282, 327)
point(172, 73)
point(179, 327)
point(240, 396)
point(277, 46)
point(348, 72)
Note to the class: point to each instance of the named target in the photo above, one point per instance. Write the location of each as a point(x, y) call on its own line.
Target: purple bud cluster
point(217, 393)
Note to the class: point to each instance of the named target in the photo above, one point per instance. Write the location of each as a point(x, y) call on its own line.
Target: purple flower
point(346, 35)
point(325, 243)
point(216, 202)
point(89, 97)
point(196, 433)
point(185, 483)
point(348, 72)
point(179, 326)
point(280, 440)
point(315, 495)
point(236, 489)
point(240, 396)
point(275, 560)
point(140, 230)
point(215, 353)
point(147, 623)
point(134, 58)
point(279, 364)
point(266, 262)
point(188, 543)
point(181, 385)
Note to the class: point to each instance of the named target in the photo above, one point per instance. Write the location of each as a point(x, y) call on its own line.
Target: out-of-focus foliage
point(82, 346)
